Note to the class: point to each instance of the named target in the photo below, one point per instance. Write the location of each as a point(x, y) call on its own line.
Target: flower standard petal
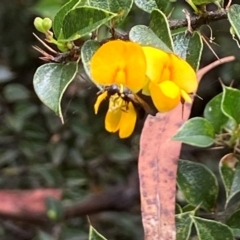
point(135, 67)
point(127, 121)
point(183, 75)
point(165, 95)
point(99, 100)
point(106, 60)
point(119, 62)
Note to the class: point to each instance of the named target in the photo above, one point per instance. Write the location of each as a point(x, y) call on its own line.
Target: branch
point(26, 205)
point(201, 72)
point(197, 21)
point(29, 205)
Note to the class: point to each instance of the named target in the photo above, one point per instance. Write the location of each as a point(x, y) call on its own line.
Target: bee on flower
point(124, 108)
point(163, 76)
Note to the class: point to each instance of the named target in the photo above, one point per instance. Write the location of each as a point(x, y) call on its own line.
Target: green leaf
point(214, 114)
point(8, 156)
point(234, 220)
point(233, 17)
point(146, 6)
point(212, 230)
point(120, 7)
point(46, 8)
point(227, 169)
point(204, 2)
point(183, 226)
point(159, 19)
point(94, 235)
point(45, 173)
point(15, 92)
point(178, 209)
point(236, 232)
point(188, 208)
point(198, 184)
point(145, 36)
point(197, 132)
point(164, 6)
point(231, 103)
point(88, 49)
point(84, 20)
point(195, 48)
point(59, 17)
point(189, 47)
point(50, 82)
point(235, 187)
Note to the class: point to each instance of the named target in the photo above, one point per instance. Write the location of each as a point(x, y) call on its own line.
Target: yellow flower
point(121, 115)
point(119, 62)
point(171, 79)
point(164, 76)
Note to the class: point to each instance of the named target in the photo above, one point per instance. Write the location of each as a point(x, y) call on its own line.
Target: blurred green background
point(37, 151)
point(80, 157)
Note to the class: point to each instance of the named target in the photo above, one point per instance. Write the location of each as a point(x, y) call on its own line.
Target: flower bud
point(62, 47)
point(46, 24)
point(69, 45)
point(38, 24)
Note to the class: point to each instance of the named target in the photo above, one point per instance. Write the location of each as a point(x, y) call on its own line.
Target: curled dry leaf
point(158, 167)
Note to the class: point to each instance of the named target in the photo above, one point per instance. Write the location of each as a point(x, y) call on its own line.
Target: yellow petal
point(157, 64)
point(186, 96)
point(165, 95)
point(100, 98)
point(120, 77)
point(119, 62)
point(135, 66)
point(127, 121)
point(145, 89)
point(112, 120)
point(183, 75)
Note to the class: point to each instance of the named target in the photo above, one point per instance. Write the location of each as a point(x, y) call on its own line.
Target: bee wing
point(138, 100)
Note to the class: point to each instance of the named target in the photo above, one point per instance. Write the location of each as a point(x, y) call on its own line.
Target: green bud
point(38, 24)
point(62, 47)
point(52, 214)
point(69, 45)
point(47, 24)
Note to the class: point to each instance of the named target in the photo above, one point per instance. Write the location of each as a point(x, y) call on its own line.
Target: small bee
point(141, 106)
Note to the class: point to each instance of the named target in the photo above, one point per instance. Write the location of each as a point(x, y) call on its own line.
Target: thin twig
point(197, 21)
point(188, 18)
point(212, 65)
point(44, 44)
point(228, 5)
